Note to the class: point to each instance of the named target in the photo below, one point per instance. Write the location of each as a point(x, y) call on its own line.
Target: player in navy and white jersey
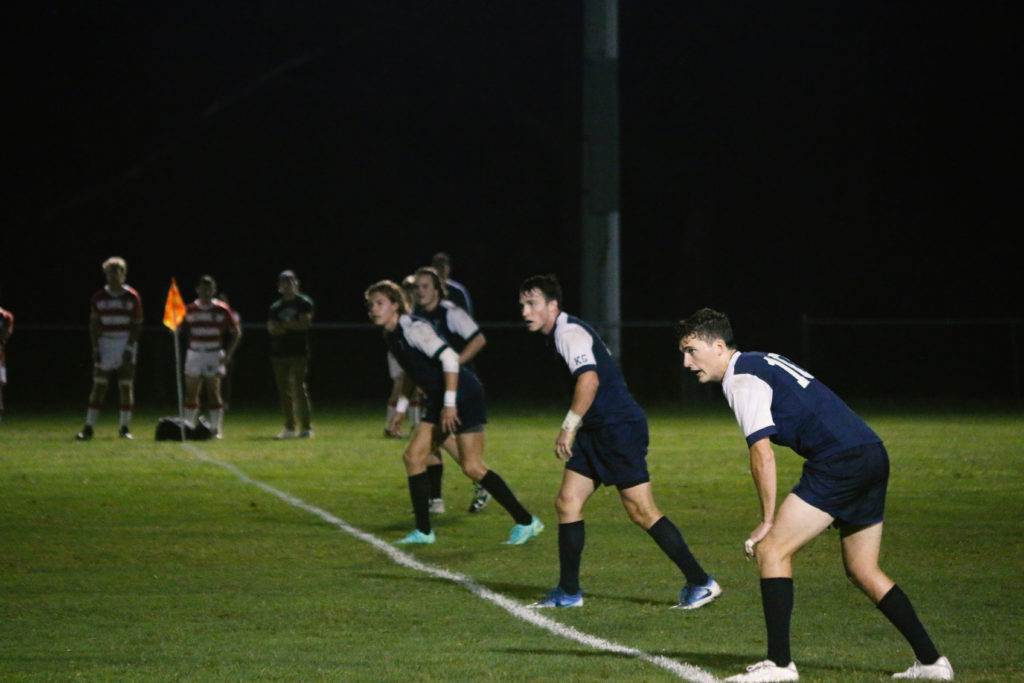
point(451, 321)
point(457, 327)
point(115, 321)
point(843, 485)
point(603, 440)
point(453, 404)
point(455, 292)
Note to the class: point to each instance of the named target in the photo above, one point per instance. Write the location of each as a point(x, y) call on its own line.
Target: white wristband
point(571, 422)
point(449, 399)
point(402, 406)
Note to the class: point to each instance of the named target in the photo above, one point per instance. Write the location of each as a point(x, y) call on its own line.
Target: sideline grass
point(135, 561)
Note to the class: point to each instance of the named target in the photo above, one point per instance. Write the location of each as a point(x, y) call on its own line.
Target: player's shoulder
point(571, 328)
point(749, 361)
point(222, 305)
point(409, 321)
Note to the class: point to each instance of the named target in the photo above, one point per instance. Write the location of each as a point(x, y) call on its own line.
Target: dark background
point(831, 159)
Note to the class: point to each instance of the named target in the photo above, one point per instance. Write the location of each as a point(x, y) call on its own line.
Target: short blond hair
point(115, 261)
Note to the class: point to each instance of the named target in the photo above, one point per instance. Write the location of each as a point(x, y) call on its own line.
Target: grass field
point(154, 561)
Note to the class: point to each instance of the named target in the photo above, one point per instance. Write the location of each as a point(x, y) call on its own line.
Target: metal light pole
point(600, 193)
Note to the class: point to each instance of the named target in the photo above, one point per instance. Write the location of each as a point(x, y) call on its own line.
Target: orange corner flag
point(174, 309)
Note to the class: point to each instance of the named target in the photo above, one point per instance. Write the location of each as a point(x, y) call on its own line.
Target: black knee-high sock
point(436, 472)
point(897, 608)
point(670, 540)
point(777, 601)
point(497, 487)
point(419, 491)
point(570, 552)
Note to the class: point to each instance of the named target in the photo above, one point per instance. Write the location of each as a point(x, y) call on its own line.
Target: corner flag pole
point(174, 313)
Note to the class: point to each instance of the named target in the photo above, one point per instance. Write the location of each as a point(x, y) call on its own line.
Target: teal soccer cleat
point(521, 533)
point(417, 536)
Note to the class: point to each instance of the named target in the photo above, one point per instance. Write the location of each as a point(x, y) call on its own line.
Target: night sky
point(840, 159)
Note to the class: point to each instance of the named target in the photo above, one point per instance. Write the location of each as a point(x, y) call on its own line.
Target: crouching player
point(452, 403)
point(844, 481)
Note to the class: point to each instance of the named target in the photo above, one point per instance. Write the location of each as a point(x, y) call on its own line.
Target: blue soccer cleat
point(693, 596)
point(417, 536)
point(521, 533)
point(559, 598)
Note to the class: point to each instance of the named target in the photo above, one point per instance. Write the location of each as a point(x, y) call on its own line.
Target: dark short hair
point(436, 277)
point(207, 280)
point(545, 284)
point(708, 325)
point(441, 258)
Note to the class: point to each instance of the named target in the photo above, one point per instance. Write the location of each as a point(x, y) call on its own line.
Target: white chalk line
point(682, 670)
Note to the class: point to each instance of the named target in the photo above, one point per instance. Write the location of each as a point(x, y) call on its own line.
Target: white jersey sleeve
point(460, 322)
point(576, 347)
point(422, 336)
point(750, 398)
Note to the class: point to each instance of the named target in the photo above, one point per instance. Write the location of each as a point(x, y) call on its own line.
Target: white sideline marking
point(684, 671)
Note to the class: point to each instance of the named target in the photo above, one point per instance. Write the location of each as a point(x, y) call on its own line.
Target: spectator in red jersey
point(115, 322)
point(6, 327)
point(213, 334)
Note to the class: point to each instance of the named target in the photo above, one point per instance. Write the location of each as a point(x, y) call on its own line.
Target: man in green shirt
point(288, 323)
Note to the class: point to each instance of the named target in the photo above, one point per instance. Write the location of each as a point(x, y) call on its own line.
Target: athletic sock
point(896, 607)
point(419, 491)
point(436, 472)
point(217, 419)
point(497, 487)
point(570, 551)
point(91, 415)
point(777, 601)
point(670, 540)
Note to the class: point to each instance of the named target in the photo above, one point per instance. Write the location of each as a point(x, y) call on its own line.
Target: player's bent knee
point(474, 470)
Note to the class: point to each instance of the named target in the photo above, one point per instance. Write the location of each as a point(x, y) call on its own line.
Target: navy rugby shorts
point(469, 402)
point(850, 485)
point(614, 454)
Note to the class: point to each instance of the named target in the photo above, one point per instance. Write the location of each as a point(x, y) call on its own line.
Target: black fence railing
point(49, 365)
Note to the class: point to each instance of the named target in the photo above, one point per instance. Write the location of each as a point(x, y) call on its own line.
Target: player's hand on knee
point(450, 419)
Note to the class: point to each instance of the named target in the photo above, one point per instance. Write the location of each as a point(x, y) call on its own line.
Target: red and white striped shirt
point(6, 327)
point(117, 313)
point(208, 324)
